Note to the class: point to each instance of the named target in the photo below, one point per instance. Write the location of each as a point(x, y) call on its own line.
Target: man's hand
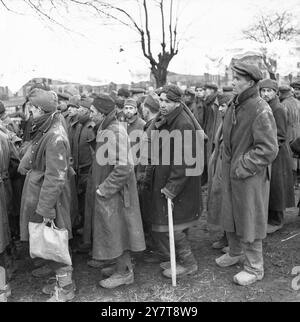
point(99, 193)
point(167, 197)
point(47, 220)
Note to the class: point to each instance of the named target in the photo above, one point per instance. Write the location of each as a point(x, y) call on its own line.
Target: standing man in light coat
point(250, 146)
point(46, 192)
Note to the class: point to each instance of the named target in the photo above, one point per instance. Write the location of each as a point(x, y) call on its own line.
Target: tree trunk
point(160, 75)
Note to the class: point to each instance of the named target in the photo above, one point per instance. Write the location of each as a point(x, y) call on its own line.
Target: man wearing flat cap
point(296, 86)
point(281, 184)
point(115, 225)
point(292, 105)
point(46, 192)
point(137, 92)
point(170, 180)
point(249, 148)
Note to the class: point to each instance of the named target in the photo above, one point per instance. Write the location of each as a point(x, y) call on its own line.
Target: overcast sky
point(208, 27)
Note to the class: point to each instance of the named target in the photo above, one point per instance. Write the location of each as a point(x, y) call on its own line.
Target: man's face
point(188, 99)
point(145, 112)
point(83, 111)
point(72, 111)
point(166, 106)
point(223, 108)
point(267, 94)
point(209, 91)
point(297, 93)
point(95, 115)
point(240, 83)
point(129, 111)
point(200, 92)
point(35, 111)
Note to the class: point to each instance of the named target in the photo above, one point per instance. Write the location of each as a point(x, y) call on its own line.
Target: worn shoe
point(181, 271)
point(42, 271)
point(221, 243)
point(227, 260)
point(225, 250)
point(117, 279)
point(99, 264)
point(272, 228)
point(167, 265)
point(62, 294)
point(49, 288)
point(244, 278)
point(108, 271)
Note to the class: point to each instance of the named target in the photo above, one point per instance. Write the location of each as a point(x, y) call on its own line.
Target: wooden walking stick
point(172, 242)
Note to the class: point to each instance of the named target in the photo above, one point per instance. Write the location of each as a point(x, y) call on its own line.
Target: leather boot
point(64, 288)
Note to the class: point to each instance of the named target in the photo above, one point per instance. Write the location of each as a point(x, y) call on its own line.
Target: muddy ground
point(210, 283)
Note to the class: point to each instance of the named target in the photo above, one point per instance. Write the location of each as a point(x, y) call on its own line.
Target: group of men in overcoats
point(97, 165)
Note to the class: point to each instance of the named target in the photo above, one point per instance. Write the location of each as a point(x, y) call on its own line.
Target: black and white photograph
point(149, 154)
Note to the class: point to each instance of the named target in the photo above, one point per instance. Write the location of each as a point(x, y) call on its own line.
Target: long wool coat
point(282, 182)
point(250, 146)
point(115, 220)
point(186, 190)
point(46, 189)
point(4, 164)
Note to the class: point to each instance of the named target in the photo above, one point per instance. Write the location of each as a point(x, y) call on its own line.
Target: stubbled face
point(209, 91)
point(267, 94)
point(188, 99)
point(166, 106)
point(240, 83)
point(82, 111)
point(200, 92)
point(297, 93)
point(95, 115)
point(72, 111)
point(129, 111)
point(35, 111)
point(223, 108)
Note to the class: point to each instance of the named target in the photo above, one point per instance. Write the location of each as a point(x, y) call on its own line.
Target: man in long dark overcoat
point(250, 146)
point(172, 180)
point(281, 187)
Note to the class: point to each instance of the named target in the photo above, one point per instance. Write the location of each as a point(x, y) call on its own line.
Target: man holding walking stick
point(173, 177)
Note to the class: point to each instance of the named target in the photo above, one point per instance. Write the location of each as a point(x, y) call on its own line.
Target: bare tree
point(139, 22)
point(271, 27)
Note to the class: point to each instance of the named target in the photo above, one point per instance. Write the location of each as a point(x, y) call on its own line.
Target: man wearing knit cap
point(81, 134)
point(171, 181)
point(116, 225)
point(249, 148)
point(296, 86)
point(46, 192)
point(281, 186)
point(134, 121)
point(292, 106)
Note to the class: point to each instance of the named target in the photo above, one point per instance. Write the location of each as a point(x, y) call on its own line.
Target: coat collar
point(246, 94)
point(286, 95)
point(274, 103)
point(108, 120)
point(132, 120)
point(169, 119)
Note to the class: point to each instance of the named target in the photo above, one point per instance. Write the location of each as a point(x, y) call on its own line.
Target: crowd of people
point(79, 161)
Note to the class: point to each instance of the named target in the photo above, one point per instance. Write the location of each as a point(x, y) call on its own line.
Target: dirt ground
point(209, 284)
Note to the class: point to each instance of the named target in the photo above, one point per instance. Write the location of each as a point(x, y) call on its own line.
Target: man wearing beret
point(46, 192)
point(281, 185)
point(123, 93)
point(170, 180)
point(116, 225)
point(249, 148)
point(81, 134)
point(296, 86)
point(292, 105)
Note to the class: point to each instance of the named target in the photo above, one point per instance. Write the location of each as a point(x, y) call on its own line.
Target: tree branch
point(161, 4)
